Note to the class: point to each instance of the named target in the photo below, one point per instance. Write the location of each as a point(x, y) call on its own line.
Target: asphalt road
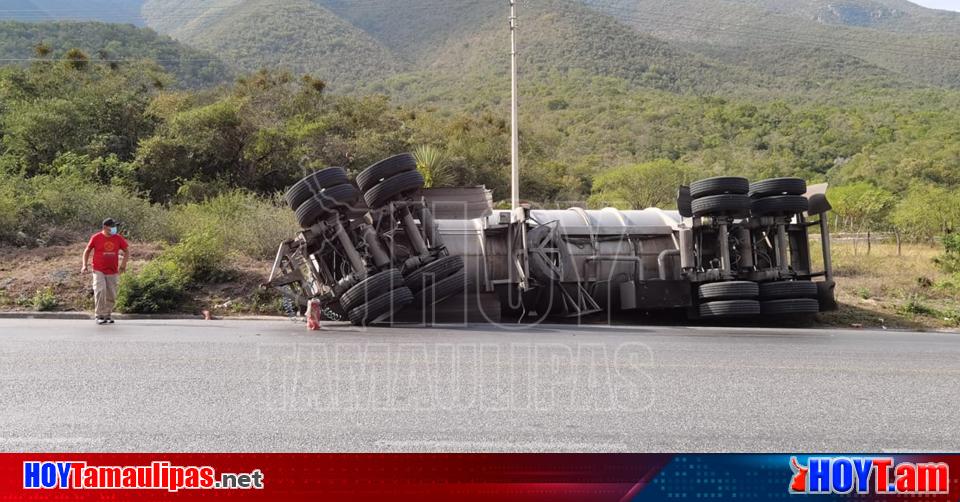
point(273, 386)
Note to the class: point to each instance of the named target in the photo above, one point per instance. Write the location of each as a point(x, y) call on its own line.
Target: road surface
point(273, 386)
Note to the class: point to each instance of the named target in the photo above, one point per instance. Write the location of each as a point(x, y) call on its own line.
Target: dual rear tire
point(778, 197)
point(738, 198)
point(747, 298)
point(321, 194)
point(722, 196)
point(389, 180)
point(729, 299)
point(376, 298)
point(789, 298)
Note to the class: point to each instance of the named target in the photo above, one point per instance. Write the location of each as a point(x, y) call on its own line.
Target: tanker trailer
point(732, 249)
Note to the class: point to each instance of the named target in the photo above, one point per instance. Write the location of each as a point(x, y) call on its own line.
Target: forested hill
point(355, 43)
point(899, 36)
point(295, 34)
point(698, 46)
point(110, 44)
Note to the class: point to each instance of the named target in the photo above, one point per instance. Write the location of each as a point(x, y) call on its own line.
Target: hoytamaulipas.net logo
point(868, 475)
point(159, 475)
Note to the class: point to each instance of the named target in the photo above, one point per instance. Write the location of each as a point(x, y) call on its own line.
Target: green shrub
point(949, 261)
point(45, 300)
point(73, 204)
point(951, 244)
point(158, 289)
point(70, 204)
point(239, 221)
point(915, 306)
point(164, 284)
point(201, 258)
point(10, 209)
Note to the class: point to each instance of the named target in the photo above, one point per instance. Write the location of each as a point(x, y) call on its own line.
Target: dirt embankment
point(49, 278)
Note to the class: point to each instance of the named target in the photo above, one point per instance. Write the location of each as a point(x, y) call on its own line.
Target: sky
point(939, 4)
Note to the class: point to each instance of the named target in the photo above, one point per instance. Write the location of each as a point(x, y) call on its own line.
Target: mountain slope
point(560, 37)
point(112, 42)
point(909, 40)
point(296, 34)
point(887, 15)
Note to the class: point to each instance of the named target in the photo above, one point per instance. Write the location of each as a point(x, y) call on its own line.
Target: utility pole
point(518, 218)
point(514, 132)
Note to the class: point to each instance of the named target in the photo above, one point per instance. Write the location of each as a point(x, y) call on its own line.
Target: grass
point(884, 289)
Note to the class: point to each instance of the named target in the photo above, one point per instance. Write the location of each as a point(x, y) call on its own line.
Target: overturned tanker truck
point(382, 249)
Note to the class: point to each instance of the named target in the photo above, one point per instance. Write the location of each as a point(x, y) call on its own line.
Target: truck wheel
point(391, 188)
point(328, 200)
point(442, 289)
point(380, 307)
point(790, 306)
point(779, 205)
point(778, 186)
point(788, 289)
point(731, 290)
point(386, 168)
point(684, 199)
point(433, 272)
point(717, 186)
point(730, 308)
point(311, 185)
point(735, 205)
point(371, 287)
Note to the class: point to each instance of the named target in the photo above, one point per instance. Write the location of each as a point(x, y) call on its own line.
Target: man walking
point(106, 246)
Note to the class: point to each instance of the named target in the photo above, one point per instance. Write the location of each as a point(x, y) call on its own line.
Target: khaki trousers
point(104, 292)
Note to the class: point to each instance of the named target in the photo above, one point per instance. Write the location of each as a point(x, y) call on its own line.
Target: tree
point(42, 50)
point(652, 184)
point(76, 59)
point(928, 211)
point(861, 207)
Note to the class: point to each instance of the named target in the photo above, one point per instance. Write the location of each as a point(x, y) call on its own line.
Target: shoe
point(101, 320)
point(109, 320)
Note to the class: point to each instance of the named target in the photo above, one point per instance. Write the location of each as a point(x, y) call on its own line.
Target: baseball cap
point(109, 222)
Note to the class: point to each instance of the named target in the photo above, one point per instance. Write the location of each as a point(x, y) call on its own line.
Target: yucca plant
point(433, 164)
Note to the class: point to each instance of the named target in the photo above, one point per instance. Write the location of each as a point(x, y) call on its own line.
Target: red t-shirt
point(106, 256)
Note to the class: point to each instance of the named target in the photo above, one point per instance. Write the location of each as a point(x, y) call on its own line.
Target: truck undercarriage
point(382, 249)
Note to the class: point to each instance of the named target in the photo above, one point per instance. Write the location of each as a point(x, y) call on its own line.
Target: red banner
point(421, 477)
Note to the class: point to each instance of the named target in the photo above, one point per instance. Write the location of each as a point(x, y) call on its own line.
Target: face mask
point(113, 230)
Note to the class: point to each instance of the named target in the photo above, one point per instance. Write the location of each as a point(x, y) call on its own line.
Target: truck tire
point(442, 289)
point(779, 205)
point(790, 306)
point(380, 307)
point(391, 188)
point(778, 186)
point(736, 205)
point(684, 199)
point(788, 289)
point(386, 168)
point(718, 186)
point(433, 272)
point(731, 290)
point(371, 287)
point(730, 308)
point(311, 185)
point(328, 200)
